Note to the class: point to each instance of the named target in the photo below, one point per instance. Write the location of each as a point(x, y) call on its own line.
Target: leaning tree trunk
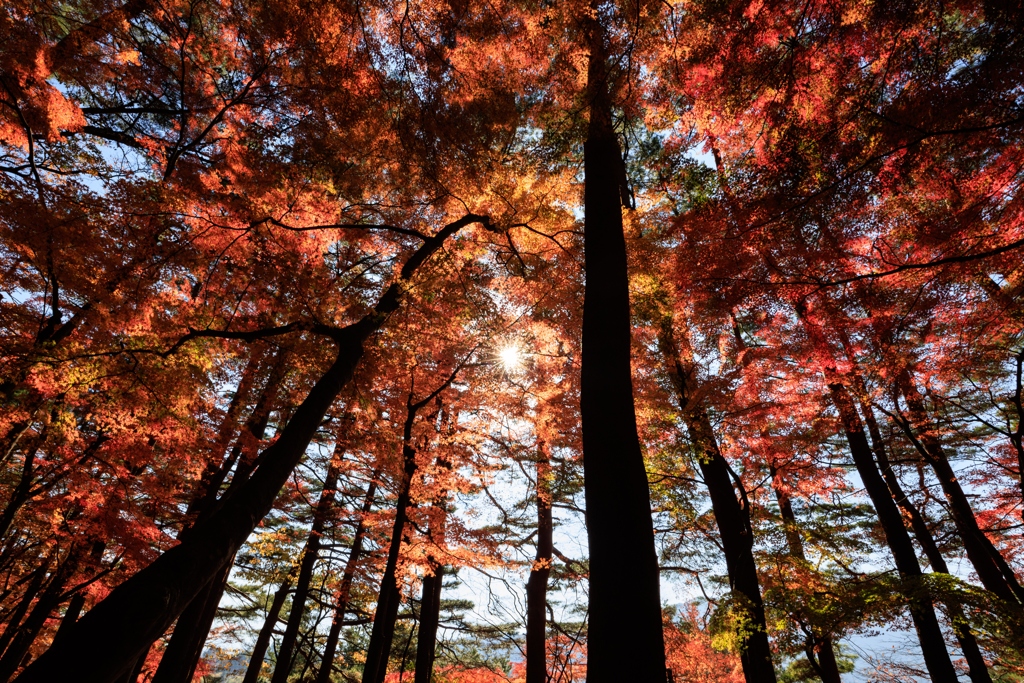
point(992, 569)
point(345, 589)
point(978, 669)
point(185, 648)
point(35, 584)
point(732, 514)
point(933, 647)
point(48, 600)
point(625, 638)
point(922, 611)
point(537, 585)
point(107, 641)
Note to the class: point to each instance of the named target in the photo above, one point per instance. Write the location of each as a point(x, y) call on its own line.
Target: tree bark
point(992, 569)
point(379, 649)
point(977, 667)
point(48, 600)
point(537, 585)
point(259, 650)
point(185, 647)
point(936, 658)
point(820, 650)
point(105, 643)
point(430, 618)
point(732, 514)
point(18, 613)
point(345, 589)
point(310, 555)
point(625, 638)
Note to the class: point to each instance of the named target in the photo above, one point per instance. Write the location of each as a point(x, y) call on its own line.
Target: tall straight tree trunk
point(537, 585)
point(625, 641)
point(430, 600)
point(820, 651)
point(430, 618)
point(993, 570)
point(933, 647)
point(977, 667)
point(107, 641)
point(310, 555)
point(259, 649)
point(379, 649)
point(345, 589)
point(732, 514)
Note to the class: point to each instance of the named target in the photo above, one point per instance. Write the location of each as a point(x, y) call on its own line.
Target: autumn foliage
point(535, 342)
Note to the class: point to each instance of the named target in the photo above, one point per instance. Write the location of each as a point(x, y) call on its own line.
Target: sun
point(511, 358)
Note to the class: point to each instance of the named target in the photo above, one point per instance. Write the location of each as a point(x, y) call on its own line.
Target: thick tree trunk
point(968, 643)
point(430, 618)
point(74, 610)
point(625, 638)
point(105, 643)
point(820, 650)
point(185, 648)
point(132, 675)
point(259, 650)
point(933, 647)
point(537, 585)
point(310, 555)
point(345, 589)
point(995, 574)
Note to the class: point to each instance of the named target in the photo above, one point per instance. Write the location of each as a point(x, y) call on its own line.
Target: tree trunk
point(185, 647)
point(259, 650)
point(820, 650)
point(379, 649)
point(22, 492)
point(31, 591)
point(977, 667)
point(310, 555)
point(105, 643)
point(71, 614)
point(936, 658)
point(345, 589)
point(537, 585)
point(47, 602)
point(430, 617)
point(995, 574)
point(625, 638)
point(732, 514)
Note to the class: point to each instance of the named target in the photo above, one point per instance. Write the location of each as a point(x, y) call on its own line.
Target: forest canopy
point(529, 341)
